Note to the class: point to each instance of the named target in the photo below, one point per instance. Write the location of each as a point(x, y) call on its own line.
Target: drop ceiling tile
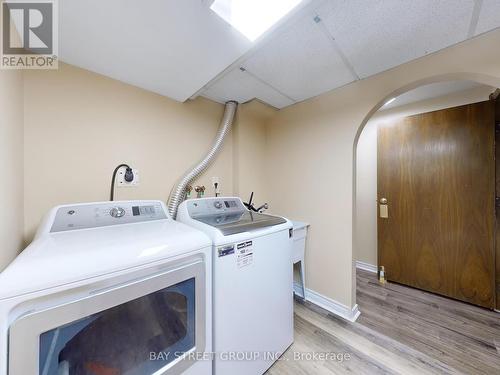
point(170, 47)
point(377, 35)
point(300, 61)
point(242, 87)
point(489, 17)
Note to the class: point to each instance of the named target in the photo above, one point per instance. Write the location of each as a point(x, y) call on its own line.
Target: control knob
point(117, 212)
point(217, 204)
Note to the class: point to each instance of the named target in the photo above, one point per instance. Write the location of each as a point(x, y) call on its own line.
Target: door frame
point(496, 98)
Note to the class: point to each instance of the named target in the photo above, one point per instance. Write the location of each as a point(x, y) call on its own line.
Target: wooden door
point(437, 172)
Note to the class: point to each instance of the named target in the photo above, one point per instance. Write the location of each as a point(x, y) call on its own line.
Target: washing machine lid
point(234, 223)
point(57, 258)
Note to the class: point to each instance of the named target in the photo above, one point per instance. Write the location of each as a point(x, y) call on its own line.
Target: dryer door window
point(146, 326)
point(138, 337)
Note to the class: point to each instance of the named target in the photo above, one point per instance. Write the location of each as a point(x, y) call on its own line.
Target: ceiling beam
point(254, 76)
point(336, 47)
point(478, 4)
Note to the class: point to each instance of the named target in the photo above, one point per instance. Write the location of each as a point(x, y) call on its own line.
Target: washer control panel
point(94, 215)
point(214, 206)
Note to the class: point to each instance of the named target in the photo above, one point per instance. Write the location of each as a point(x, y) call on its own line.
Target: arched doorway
point(479, 78)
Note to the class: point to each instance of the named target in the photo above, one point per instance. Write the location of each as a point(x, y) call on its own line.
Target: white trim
point(328, 304)
point(366, 266)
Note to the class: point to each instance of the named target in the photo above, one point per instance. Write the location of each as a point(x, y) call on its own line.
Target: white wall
point(366, 163)
point(11, 165)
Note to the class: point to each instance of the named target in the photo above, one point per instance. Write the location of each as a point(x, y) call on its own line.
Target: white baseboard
point(366, 266)
point(328, 304)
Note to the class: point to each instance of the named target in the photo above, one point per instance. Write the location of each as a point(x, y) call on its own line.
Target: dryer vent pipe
point(178, 193)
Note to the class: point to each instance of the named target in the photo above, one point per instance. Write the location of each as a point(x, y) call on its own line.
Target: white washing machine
point(108, 288)
point(252, 283)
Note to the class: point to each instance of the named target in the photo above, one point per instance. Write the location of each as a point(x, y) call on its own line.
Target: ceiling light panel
point(377, 35)
point(253, 17)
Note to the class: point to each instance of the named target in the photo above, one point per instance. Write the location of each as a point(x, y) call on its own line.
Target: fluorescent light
point(389, 101)
point(253, 17)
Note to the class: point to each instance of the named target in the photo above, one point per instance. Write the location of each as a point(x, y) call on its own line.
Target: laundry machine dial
point(117, 212)
point(217, 204)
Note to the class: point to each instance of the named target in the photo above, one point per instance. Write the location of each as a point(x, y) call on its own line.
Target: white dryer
point(252, 283)
point(113, 287)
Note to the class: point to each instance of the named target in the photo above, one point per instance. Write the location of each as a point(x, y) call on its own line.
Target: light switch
point(384, 211)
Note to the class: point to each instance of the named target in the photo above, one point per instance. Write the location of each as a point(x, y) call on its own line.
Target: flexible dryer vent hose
point(178, 193)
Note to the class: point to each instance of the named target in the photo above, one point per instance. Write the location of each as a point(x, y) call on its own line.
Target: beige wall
point(366, 163)
point(11, 165)
point(250, 151)
point(366, 195)
point(311, 154)
point(80, 125)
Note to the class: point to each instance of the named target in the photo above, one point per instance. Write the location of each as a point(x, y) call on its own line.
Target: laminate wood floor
point(401, 330)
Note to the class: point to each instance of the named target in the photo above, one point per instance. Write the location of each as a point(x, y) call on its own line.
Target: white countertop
point(299, 225)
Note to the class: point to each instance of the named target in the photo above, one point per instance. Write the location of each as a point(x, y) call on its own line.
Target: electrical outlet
point(216, 186)
point(120, 178)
